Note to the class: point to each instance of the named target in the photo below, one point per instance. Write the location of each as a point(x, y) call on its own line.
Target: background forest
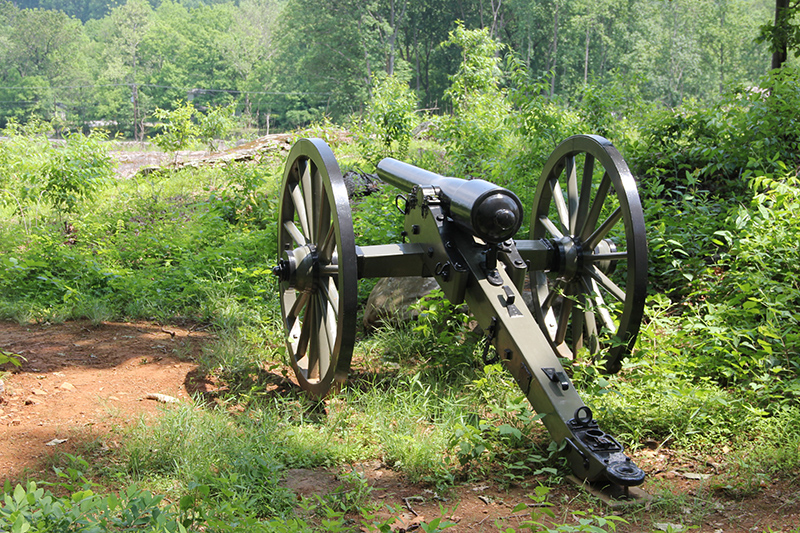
point(113, 63)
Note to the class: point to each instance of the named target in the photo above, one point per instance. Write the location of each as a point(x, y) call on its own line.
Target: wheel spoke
point(555, 292)
point(300, 208)
point(297, 305)
point(606, 283)
point(561, 206)
point(610, 256)
point(549, 226)
point(327, 330)
point(589, 290)
point(297, 236)
point(331, 294)
point(300, 333)
point(308, 195)
point(601, 307)
point(597, 206)
point(592, 339)
point(323, 207)
point(563, 319)
point(578, 323)
point(295, 338)
point(601, 232)
point(572, 194)
point(325, 250)
point(311, 329)
point(586, 193)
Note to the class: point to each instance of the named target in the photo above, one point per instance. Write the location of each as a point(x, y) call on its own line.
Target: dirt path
point(80, 383)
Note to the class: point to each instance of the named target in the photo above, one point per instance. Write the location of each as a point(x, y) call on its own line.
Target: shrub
point(34, 171)
point(389, 121)
point(748, 132)
point(185, 125)
point(473, 134)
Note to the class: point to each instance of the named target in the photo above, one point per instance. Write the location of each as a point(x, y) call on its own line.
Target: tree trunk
point(782, 15)
point(554, 53)
point(416, 55)
point(586, 58)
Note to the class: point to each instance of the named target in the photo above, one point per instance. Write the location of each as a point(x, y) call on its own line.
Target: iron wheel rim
point(602, 216)
point(315, 219)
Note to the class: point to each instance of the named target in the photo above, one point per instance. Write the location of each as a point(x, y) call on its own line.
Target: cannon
point(584, 263)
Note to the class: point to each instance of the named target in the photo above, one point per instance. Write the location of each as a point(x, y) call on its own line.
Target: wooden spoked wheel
point(588, 206)
point(317, 267)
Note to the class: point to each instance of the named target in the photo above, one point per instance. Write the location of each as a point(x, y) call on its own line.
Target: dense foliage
point(113, 63)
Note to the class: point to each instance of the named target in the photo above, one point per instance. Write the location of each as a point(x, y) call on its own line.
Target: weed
point(542, 517)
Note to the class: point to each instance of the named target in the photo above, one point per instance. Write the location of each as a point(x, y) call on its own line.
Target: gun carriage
point(585, 261)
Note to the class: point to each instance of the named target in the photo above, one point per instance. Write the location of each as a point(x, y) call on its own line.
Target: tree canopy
point(288, 62)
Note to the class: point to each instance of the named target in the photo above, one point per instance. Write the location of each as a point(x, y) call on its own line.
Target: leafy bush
point(185, 125)
point(390, 118)
point(34, 510)
point(746, 329)
point(748, 132)
point(34, 170)
point(179, 131)
point(154, 247)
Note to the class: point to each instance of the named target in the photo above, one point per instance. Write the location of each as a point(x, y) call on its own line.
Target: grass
point(196, 245)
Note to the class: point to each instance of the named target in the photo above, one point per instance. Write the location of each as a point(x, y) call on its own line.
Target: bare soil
point(80, 384)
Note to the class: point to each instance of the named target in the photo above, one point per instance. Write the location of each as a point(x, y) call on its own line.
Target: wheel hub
point(300, 268)
point(573, 255)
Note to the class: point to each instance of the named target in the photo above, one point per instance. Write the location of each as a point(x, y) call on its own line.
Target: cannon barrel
point(491, 213)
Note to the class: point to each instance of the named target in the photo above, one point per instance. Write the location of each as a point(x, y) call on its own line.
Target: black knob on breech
point(497, 217)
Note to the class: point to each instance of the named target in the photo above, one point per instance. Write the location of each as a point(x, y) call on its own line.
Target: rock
point(360, 183)
point(67, 386)
point(33, 400)
point(391, 299)
point(163, 398)
point(39, 392)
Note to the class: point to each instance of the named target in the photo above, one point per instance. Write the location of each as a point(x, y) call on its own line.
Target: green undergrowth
point(715, 373)
point(187, 245)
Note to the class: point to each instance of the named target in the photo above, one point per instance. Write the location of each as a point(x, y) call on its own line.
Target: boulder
point(391, 299)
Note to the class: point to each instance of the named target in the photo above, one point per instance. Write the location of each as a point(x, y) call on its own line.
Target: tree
point(783, 34)
point(425, 27)
point(250, 46)
point(41, 42)
point(82, 10)
point(39, 49)
point(474, 133)
point(329, 52)
point(123, 34)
